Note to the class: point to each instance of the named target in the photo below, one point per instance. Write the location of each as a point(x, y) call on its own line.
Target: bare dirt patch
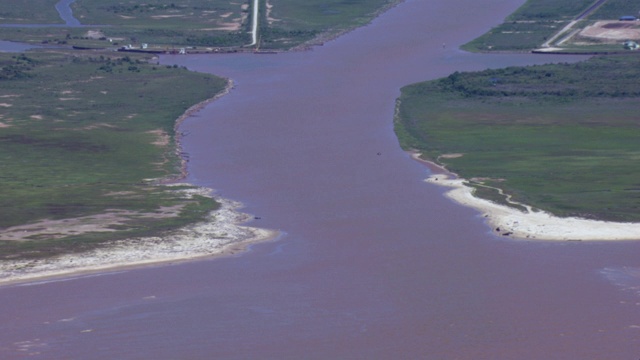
point(451, 156)
point(94, 34)
point(97, 126)
point(219, 234)
point(55, 229)
point(270, 19)
point(121, 193)
point(162, 138)
point(234, 26)
point(165, 16)
point(228, 24)
point(245, 13)
point(48, 229)
point(612, 30)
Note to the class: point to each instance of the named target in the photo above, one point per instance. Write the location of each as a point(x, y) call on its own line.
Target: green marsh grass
point(297, 21)
point(614, 9)
point(29, 12)
point(84, 134)
point(164, 24)
point(563, 138)
point(529, 26)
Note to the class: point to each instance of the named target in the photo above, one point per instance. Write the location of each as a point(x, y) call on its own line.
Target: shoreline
point(219, 235)
point(512, 223)
point(327, 36)
point(178, 135)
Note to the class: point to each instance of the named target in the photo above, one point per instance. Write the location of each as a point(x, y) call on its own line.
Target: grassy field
point(539, 20)
point(194, 14)
point(198, 24)
point(614, 9)
point(187, 23)
point(29, 12)
point(84, 135)
point(563, 138)
point(529, 26)
point(287, 23)
point(162, 24)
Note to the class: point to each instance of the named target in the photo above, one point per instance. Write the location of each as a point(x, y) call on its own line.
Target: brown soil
point(55, 229)
point(612, 30)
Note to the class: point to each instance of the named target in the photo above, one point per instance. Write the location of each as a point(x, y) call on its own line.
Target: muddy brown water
point(373, 263)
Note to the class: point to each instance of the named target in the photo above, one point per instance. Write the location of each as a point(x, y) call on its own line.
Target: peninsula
point(90, 127)
point(544, 152)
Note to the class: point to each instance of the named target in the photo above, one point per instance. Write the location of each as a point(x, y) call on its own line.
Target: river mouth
point(373, 263)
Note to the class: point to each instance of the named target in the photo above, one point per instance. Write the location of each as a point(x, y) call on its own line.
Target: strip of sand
point(220, 234)
point(530, 224)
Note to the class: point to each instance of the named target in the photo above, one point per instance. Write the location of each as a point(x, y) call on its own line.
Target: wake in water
point(626, 278)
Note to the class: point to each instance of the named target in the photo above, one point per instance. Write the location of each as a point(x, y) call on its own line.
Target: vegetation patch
point(563, 26)
point(29, 12)
point(288, 23)
point(563, 138)
point(529, 26)
point(614, 9)
point(87, 137)
point(199, 25)
point(86, 140)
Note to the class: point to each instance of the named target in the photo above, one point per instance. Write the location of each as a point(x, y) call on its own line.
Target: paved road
point(590, 9)
point(254, 24)
point(566, 29)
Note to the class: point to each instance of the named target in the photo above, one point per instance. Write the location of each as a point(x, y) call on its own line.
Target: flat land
point(612, 31)
point(199, 25)
point(29, 12)
point(70, 126)
point(562, 26)
point(87, 138)
point(614, 9)
point(561, 138)
point(290, 23)
point(529, 26)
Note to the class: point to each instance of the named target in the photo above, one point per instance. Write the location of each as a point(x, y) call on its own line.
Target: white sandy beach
point(531, 224)
point(220, 234)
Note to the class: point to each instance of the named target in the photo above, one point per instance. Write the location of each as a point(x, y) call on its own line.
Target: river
point(63, 7)
point(373, 263)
